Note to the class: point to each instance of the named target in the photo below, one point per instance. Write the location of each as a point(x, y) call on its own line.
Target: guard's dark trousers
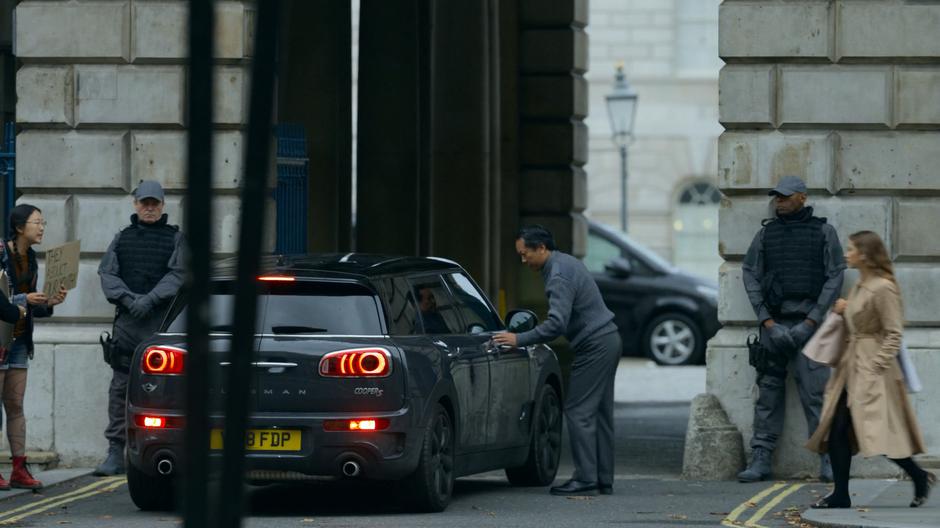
point(117, 398)
point(811, 378)
point(589, 408)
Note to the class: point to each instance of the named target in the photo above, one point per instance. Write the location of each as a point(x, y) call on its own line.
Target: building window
point(695, 229)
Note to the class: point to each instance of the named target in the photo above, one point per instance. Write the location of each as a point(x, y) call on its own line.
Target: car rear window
point(294, 308)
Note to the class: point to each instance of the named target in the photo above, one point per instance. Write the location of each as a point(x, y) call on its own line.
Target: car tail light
point(276, 278)
point(163, 360)
point(357, 363)
point(359, 424)
point(150, 421)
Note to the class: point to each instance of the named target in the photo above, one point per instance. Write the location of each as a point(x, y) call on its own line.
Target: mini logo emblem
point(368, 391)
point(149, 387)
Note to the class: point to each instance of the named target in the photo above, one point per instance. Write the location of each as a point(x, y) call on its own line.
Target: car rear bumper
point(383, 455)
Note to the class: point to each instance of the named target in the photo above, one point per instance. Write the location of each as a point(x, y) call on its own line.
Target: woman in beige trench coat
point(866, 409)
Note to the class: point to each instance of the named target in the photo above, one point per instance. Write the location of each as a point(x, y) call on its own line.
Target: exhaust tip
point(351, 468)
point(165, 466)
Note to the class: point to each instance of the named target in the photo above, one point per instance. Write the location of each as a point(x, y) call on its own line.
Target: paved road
point(648, 489)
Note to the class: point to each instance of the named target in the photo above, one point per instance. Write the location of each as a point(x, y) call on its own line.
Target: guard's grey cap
point(787, 186)
point(148, 189)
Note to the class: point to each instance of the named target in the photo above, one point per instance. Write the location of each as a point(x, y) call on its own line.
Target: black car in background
point(365, 367)
point(662, 312)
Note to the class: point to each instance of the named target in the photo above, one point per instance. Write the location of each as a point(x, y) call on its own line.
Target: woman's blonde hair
point(870, 245)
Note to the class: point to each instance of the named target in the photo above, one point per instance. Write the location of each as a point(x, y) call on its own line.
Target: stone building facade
point(470, 123)
point(100, 106)
point(846, 95)
point(669, 51)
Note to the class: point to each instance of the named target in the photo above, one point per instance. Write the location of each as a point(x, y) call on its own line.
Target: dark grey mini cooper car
point(366, 367)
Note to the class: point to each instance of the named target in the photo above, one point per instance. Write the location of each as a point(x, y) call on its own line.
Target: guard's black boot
point(759, 469)
point(114, 464)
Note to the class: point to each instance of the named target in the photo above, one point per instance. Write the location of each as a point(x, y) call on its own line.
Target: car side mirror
point(619, 267)
point(518, 321)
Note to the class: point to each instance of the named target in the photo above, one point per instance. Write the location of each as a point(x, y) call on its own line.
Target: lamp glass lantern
point(621, 109)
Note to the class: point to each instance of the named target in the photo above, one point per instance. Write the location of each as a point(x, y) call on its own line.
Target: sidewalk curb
point(876, 506)
point(51, 479)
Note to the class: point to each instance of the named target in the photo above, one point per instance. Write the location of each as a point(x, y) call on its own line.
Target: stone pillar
point(553, 104)
point(393, 132)
point(100, 106)
point(315, 89)
point(841, 94)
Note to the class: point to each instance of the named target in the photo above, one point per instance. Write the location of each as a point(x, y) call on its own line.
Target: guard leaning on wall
point(141, 272)
point(793, 274)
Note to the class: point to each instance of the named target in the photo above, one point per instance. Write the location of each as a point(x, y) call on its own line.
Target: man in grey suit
point(577, 311)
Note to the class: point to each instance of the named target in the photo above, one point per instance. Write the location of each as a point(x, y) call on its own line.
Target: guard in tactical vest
point(792, 274)
point(140, 273)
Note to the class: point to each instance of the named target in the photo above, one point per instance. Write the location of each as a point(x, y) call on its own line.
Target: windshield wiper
point(289, 329)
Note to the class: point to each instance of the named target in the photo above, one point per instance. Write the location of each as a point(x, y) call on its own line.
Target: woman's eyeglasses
point(37, 222)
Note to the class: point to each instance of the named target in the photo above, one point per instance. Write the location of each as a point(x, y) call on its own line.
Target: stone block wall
point(846, 95)
point(101, 105)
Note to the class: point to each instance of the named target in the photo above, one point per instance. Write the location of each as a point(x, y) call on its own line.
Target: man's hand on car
point(505, 338)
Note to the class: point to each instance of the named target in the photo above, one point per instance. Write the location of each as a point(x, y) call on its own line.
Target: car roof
point(339, 265)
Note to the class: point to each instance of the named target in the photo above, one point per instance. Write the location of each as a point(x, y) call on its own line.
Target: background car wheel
point(149, 493)
point(674, 339)
point(431, 485)
point(545, 446)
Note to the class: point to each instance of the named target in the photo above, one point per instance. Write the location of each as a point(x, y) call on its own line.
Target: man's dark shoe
point(605, 489)
point(759, 469)
point(114, 464)
point(575, 487)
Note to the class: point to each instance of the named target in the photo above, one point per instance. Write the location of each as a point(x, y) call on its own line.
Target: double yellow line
point(754, 502)
point(99, 486)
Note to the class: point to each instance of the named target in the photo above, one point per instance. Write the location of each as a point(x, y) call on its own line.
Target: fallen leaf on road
point(863, 510)
point(678, 516)
point(718, 513)
point(105, 517)
point(308, 520)
point(751, 504)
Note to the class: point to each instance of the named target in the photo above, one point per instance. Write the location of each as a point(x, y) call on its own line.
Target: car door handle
point(496, 349)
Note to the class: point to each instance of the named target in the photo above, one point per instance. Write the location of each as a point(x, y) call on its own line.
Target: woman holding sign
point(18, 260)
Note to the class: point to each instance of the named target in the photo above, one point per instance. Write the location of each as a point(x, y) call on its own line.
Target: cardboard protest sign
point(62, 267)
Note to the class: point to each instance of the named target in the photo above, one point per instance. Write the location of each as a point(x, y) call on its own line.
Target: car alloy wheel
point(549, 434)
point(429, 488)
point(442, 457)
point(673, 341)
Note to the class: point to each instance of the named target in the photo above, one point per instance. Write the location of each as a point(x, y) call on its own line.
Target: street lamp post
point(621, 108)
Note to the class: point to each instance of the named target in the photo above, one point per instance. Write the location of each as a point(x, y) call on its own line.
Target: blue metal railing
point(291, 192)
point(8, 170)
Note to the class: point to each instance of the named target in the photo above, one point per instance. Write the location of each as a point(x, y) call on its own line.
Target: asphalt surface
point(648, 491)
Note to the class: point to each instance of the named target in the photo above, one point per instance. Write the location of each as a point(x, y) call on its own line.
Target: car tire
point(674, 339)
point(545, 445)
point(430, 487)
point(149, 493)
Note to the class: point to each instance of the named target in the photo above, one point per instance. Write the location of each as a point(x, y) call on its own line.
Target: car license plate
point(263, 439)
